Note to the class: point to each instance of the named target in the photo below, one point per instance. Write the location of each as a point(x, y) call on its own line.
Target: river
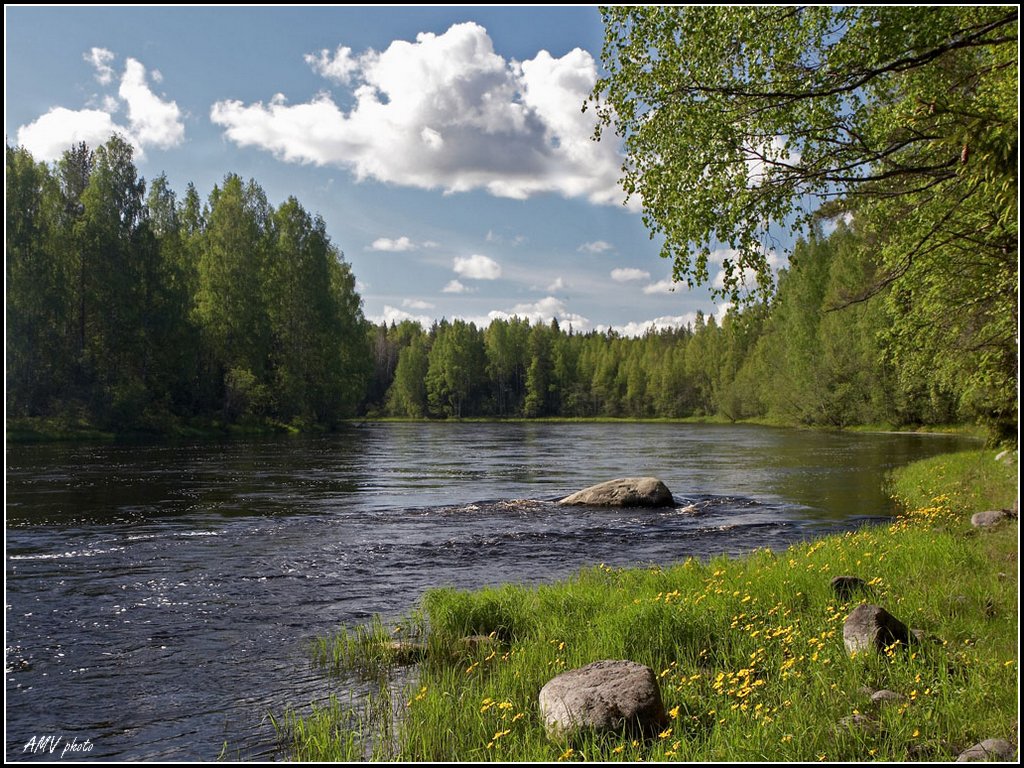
point(160, 598)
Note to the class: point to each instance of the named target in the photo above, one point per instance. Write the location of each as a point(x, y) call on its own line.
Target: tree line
point(807, 356)
point(129, 309)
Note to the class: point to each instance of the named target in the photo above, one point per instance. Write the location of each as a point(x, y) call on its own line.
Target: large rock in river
point(624, 492)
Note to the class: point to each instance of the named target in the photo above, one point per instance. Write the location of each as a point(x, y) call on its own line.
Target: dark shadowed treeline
point(130, 309)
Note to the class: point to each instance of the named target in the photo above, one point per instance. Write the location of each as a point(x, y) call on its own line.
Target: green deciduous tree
point(456, 370)
point(408, 393)
point(231, 303)
point(739, 118)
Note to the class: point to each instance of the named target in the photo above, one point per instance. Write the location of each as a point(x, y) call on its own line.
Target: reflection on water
point(160, 598)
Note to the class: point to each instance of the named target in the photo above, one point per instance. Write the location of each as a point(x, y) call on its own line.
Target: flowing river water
point(161, 598)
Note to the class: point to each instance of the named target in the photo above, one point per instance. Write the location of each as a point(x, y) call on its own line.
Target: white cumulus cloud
point(662, 286)
point(477, 267)
point(444, 112)
point(339, 66)
point(100, 58)
point(454, 286)
point(416, 304)
point(395, 315)
point(629, 274)
point(542, 311)
point(51, 134)
point(397, 245)
point(557, 285)
point(152, 120)
point(639, 328)
point(597, 246)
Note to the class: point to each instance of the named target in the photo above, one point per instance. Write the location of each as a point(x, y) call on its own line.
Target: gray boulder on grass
point(605, 696)
point(623, 492)
point(991, 517)
point(857, 723)
point(990, 749)
point(871, 627)
point(885, 696)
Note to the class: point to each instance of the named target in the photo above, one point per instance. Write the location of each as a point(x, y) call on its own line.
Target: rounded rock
point(623, 492)
point(990, 518)
point(605, 696)
point(871, 627)
point(990, 749)
point(886, 696)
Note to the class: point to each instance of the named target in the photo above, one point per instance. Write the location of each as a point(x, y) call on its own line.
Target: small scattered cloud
point(557, 285)
point(416, 304)
point(477, 267)
point(454, 286)
point(629, 275)
point(668, 285)
point(397, 245)
point(152, 121)
point(597, 246)
point(494, 237)
point(100, 58)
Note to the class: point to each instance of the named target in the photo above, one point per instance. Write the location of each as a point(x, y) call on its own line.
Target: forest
point(131, 309)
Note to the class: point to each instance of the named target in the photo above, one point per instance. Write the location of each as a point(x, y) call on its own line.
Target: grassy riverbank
point(749, 651)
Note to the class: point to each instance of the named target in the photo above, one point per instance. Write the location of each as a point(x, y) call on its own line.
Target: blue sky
point(444, 147)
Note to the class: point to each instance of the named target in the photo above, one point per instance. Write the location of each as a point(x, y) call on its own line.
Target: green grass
point(748, 651)
point(970, 480)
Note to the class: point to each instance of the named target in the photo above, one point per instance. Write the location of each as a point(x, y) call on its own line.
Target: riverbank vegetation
point(748, 651)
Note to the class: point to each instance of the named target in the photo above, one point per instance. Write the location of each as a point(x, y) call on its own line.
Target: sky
point(445, 148)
